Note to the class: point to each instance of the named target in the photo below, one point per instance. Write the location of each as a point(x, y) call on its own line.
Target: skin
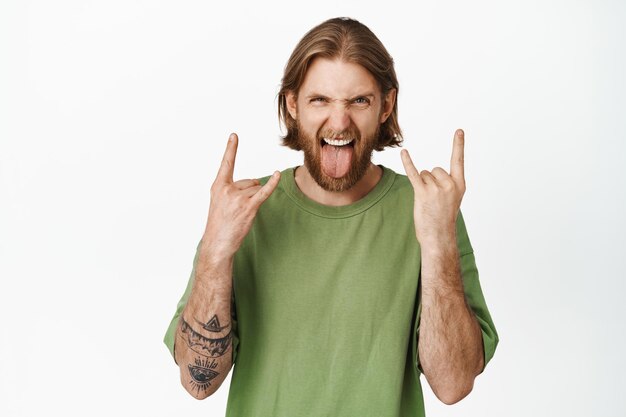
point(450, 341)
point(341, 87)
point(202, 350)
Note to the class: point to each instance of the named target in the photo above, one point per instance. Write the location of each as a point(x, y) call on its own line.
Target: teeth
point(337, 142)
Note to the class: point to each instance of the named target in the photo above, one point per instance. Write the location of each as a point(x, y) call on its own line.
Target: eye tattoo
point(203, 345)
point(202, 373)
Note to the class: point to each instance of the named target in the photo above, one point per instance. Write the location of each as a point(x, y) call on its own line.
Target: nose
point(338, 119)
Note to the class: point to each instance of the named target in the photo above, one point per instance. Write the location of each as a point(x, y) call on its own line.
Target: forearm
point(203, 346)
point(450, 340)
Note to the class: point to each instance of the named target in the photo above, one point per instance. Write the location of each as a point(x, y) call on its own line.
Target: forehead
point(338, 79)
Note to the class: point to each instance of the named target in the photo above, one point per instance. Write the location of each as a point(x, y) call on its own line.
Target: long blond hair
point(351, 41)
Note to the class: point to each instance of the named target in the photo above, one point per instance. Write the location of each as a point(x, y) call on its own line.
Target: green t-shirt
point(327, 308)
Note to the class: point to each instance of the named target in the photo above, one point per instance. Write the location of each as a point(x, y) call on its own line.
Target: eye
point(316, 100)
point(361, 101)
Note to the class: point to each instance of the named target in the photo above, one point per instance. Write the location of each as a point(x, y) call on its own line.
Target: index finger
point(227, 167)
point(457, 164)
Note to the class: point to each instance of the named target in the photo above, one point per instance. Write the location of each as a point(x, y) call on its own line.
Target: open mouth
point(337, 142)
point(336, 156)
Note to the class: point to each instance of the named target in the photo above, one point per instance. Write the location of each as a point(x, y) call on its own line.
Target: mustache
point(348, 134)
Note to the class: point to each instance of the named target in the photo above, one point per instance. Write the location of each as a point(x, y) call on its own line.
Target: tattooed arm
point(203, 346)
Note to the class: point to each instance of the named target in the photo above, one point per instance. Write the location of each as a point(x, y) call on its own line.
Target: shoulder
point(397, 196)
point(279, 196)
point(401, 183)
point(283, 175)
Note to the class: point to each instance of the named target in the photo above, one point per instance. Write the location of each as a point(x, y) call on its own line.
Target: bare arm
point(450, 340)
point(203, 346)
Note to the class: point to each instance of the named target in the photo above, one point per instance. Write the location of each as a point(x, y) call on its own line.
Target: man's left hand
point(437, 196)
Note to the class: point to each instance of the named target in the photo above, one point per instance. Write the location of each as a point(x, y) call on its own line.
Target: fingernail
point(231, 137)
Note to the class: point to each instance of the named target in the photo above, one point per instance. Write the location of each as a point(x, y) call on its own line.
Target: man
point(333, 285)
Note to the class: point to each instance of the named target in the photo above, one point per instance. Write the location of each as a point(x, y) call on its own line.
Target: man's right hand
point(233, 206)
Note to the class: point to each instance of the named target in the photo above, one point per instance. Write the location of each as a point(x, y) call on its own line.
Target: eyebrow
point(368, 94)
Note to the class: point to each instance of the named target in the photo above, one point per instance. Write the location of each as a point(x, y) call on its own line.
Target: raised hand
point(437, 195)
point(234, 205)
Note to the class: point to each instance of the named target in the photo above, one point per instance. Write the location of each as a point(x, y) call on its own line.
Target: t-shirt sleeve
point(170, 334)
point(473, 295)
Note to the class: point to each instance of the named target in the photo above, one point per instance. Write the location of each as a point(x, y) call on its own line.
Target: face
point(338, 110)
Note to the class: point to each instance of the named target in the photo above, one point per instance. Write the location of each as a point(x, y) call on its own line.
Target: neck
point(312, 190)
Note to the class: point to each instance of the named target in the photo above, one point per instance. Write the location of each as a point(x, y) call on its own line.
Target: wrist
point(438, 245)
point(214, 273)
point(214, 257)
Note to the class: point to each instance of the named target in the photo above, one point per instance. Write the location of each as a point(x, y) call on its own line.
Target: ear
point(291, 99)
point(388, 103)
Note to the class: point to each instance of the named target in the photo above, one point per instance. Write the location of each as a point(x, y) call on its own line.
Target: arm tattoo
point(203, 345)
point(212, 325)
point(202, 373)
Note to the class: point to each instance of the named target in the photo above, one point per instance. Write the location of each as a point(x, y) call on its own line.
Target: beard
point(359, 163)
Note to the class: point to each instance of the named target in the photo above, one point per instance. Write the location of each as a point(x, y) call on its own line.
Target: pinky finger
point(409, 168)
point(267, 190)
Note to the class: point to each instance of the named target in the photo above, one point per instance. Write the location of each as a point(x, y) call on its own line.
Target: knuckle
point(240, 201)
point(262, 193)
point(229, 191)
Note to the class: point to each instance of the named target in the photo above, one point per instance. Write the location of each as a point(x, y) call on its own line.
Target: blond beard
point(361, 157)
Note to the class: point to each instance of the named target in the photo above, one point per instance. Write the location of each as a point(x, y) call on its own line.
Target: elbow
point(453, 393)
point(197, 394)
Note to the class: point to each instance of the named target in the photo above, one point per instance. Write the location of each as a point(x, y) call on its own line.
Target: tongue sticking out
point(336, 160)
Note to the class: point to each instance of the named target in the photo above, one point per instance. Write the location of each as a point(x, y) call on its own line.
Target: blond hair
point(350, 41)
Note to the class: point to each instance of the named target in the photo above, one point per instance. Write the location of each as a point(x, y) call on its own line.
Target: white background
point(113, 119)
